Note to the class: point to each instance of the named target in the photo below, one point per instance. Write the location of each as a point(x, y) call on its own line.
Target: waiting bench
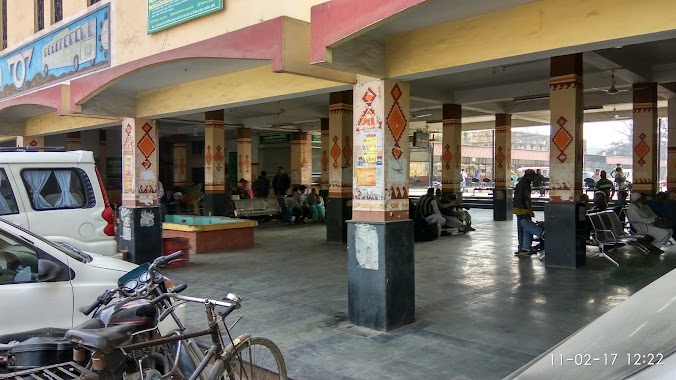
point(247, 208)
point(608, 232)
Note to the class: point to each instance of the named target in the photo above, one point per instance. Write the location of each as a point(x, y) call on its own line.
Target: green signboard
point(114, 167)
point(316, 138)
point(276, 139)
point(163, 14)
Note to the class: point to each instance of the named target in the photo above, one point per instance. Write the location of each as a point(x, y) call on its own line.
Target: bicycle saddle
point(105, 339)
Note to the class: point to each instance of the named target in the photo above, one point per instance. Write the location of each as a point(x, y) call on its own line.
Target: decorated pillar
point(30, 141)
point(502, 162)
point(564, 215)
point(324, 182)
point(301, 159)
point(214, 164)
point(102, 161)
point(451, 144)
point(73, 141)
point(671, 147)
point(381, 286)
point(180, 156)
point(645, 139)
point(140, 212)
point(338, 205)
point(244, 154)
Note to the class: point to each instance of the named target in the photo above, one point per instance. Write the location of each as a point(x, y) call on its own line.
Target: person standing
point(261, 186)
point(597, 175)
point(605, 185)
point(463, 184)
point(281, 183)
point(538, 182)
point(522, 205)
point(620, 179)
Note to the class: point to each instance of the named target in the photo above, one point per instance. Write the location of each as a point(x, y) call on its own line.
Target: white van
point(59, 196)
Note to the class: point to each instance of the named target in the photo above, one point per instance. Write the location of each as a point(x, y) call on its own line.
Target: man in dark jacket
point(522, 205)
point(261, 186)
point(281, 183)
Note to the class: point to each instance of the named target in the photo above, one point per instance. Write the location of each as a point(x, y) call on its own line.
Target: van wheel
point(76, 63)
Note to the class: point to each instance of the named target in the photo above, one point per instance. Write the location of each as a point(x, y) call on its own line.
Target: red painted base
point(215, 241)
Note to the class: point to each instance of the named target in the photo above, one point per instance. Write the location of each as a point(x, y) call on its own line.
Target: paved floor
point(481, 313)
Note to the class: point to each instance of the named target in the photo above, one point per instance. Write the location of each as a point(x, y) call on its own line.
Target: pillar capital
point(451, 114)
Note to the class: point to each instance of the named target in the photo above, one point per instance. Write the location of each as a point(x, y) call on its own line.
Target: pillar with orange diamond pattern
point(30, 141)
point(502, 162)
point(324, 182)
point(645, 146)
point(244, 154)
point(214, 164)
point(141, 222)
point(451, 145)
point(564, 215)
point(338, 209)
point(381, 286)
point(301, 159)
point(180, 157)
point(671, 147)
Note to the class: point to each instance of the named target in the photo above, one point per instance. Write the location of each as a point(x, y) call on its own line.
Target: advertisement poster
point(369, 170)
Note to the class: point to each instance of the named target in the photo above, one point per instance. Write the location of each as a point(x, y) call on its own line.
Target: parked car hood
point(105, 262)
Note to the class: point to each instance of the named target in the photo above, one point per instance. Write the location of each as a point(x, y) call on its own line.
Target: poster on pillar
point(139, 156)
point(381, 137)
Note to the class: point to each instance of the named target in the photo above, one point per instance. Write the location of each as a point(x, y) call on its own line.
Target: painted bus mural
point(72, 50)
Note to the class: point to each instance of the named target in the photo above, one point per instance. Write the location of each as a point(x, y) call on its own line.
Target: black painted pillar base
point(564, 235)
point(141, 235)
point(338, 211)
point(324, 194)
point(214, 203)
point(380, 272)
point(503, 200)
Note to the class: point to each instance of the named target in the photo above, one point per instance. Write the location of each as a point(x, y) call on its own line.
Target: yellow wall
point(52, 123)
point(73, 7)
point(21, 22)
point(531, 28)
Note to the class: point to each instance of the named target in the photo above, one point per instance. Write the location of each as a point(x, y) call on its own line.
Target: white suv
point(59, 196)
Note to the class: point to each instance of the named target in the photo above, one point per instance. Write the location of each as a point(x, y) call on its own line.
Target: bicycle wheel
point(254, 359)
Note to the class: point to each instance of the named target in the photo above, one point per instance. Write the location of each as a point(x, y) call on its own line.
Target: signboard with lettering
point(163, 14)
point(72, 50)
point(275, 139)
point(316, 138)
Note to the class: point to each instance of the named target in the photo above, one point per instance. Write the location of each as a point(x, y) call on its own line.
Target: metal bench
point(249, 208)
point(607, 233)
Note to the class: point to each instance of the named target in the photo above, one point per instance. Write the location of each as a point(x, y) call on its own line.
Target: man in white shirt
point(642, 218)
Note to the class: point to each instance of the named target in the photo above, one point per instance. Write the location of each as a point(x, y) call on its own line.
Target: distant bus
point(70, 47)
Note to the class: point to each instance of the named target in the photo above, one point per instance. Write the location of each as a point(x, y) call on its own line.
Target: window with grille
point(40, 10)
point(58, 10)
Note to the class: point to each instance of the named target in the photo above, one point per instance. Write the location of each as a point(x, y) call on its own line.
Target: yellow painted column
point(244, 154)
point(645, 139)
point(141, 224)
point(73, 141)
point(564, 216)
point(338, 205)
point(451, 145)
point(324, 188)
point(180, 156)
point(102, 161)
point(33, 141)
point(671, 147)
point(301, 159)
point(380, 234)
point(502, 162)
point(214, 163)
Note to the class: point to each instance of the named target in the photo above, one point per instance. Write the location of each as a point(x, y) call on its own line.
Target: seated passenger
point(644, 220)
point(531, 229)
point(461, 212)
point(600, 203)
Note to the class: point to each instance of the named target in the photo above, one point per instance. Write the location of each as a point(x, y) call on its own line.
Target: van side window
point(51, 189)
point(7, 200)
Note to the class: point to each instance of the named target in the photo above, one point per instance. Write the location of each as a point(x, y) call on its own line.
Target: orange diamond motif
point(218, 157)
point(335, 152)
point(562, 121)
point(447, 156)
point(396, 152)
point(500, 157)
point(325, 161)
point(642, 149)
point(369, 96)
point(396, 92)
point(347, 151)
point(208, 157)
point(396, 122)
point(562, 139)
point(33, 143)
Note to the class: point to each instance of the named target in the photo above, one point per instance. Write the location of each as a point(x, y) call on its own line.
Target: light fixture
point(530, 98)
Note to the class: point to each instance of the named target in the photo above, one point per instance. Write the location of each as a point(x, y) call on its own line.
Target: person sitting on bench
point(644, 221)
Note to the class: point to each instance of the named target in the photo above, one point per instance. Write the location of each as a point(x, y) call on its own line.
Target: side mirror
point(48, 270)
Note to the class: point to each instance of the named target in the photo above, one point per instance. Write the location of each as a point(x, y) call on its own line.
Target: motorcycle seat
point(104, 339)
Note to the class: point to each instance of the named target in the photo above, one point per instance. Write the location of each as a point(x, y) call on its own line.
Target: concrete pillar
point(564, 219)
point(671, 146)
point(180, 156)
point(33, 141)
point(451, 145)
point(502, 162)
point(338, 205)
point(324, 183)
point(381, 285)
point(73, 141)
point(301, 159)
point(244, 154)
point(645, 139)
point(214, 163)
point(102, 161)
point(140, 211)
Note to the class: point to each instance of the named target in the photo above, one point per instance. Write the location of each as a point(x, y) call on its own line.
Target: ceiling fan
point(612, 90)
point(616, 116)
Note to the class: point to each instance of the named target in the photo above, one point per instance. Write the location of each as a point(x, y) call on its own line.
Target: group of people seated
point(304, 205)
point(445, 212)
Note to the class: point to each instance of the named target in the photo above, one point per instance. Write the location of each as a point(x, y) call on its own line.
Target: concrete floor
point(481, 312)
